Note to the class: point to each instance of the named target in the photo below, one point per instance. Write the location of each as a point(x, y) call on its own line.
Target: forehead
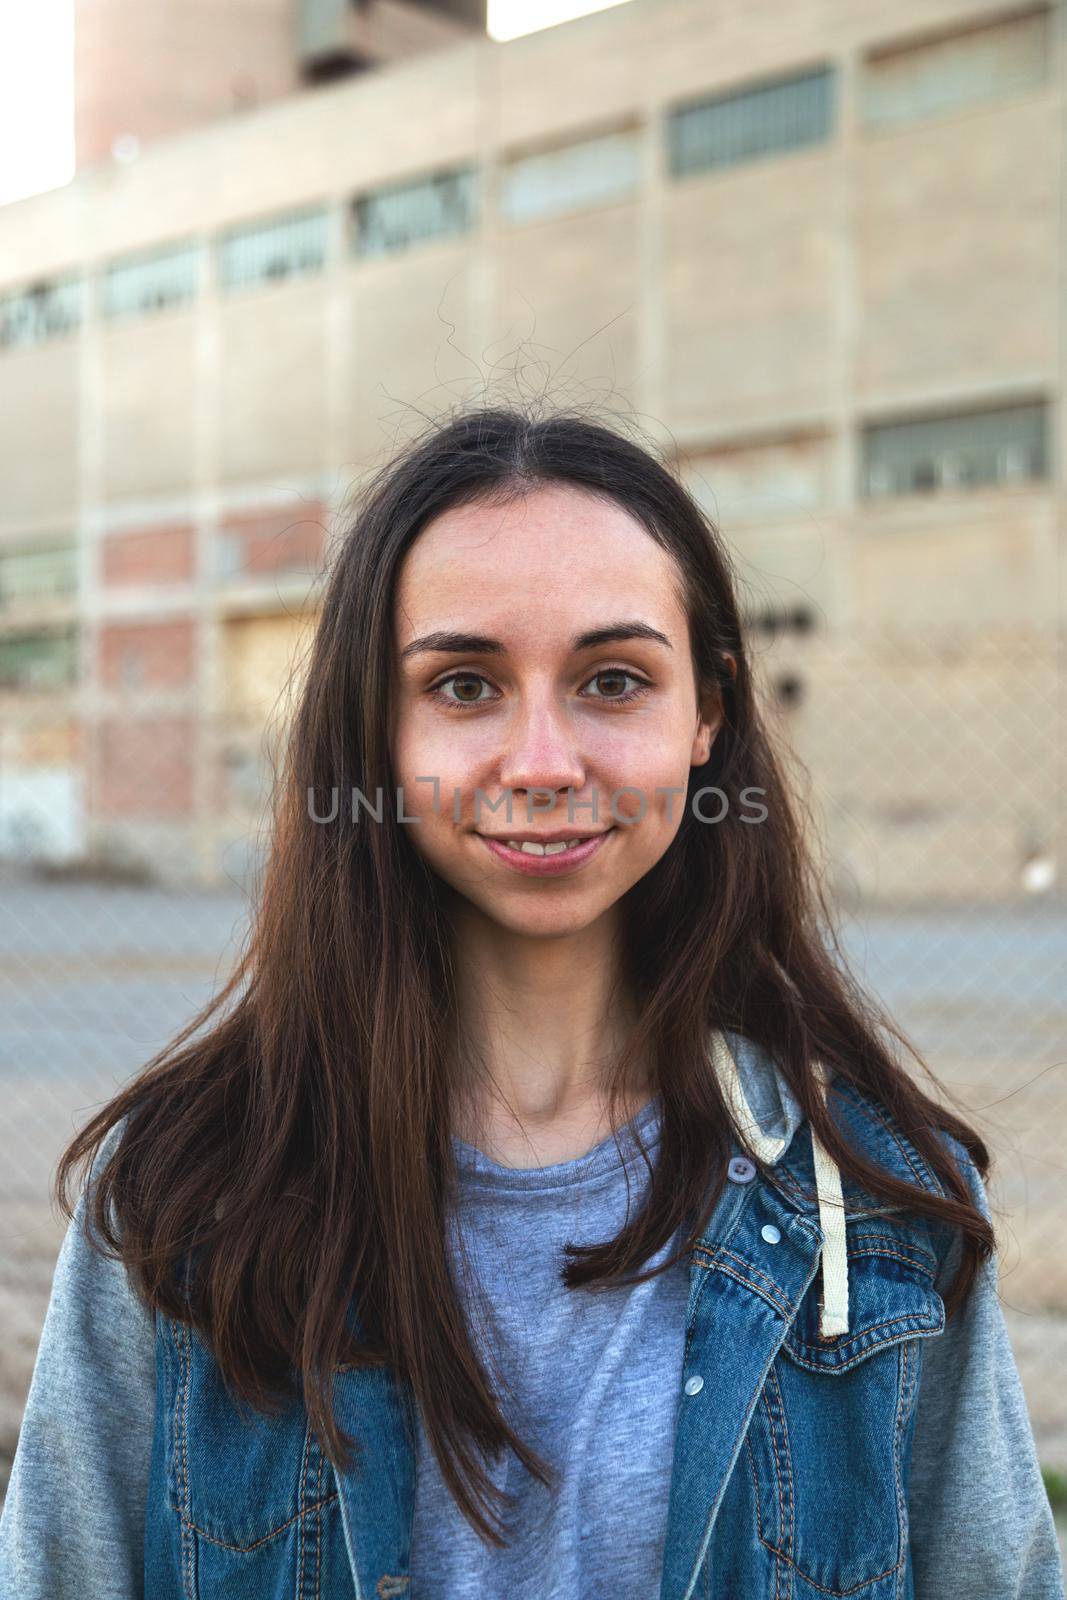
point(557, 556)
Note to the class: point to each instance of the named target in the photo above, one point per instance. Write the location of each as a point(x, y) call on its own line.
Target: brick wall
point(156, 555)
point(263, 542)
point(146, 655)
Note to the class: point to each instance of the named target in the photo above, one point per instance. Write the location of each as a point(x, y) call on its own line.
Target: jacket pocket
point(255, 1497)
point(827, 1443)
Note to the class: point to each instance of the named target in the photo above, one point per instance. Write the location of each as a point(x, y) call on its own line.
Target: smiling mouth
point(553, 847)
point(547, 856)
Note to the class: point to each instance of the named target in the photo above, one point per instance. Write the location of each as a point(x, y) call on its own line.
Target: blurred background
point(813, 249)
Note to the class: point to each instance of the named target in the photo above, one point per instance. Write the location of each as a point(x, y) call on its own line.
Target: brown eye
point(617, 692)
point(467, 687)
point(613, 677)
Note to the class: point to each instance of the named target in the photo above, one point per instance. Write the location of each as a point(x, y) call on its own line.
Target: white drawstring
point(833, 1317)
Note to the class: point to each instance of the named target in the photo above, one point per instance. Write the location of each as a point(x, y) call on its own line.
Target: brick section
point(150, 555)
point(146, 655)
point(256, 544)
point(144, 768)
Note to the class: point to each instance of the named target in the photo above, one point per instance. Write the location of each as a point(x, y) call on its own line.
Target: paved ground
point(95, 979)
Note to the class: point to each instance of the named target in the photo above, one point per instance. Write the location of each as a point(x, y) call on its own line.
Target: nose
point(540, 751)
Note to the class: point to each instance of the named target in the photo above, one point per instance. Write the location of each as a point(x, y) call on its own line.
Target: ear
point(710, 718)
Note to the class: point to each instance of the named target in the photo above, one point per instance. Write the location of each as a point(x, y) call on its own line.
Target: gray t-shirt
point(593, 1378)
point(73, 1520)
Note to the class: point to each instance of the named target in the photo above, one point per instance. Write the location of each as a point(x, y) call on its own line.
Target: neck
point(543, 1024)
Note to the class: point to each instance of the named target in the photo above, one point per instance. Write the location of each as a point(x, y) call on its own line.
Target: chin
point(541, 922)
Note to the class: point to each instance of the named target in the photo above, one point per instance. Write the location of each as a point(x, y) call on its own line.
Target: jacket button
point(741, 1170)
point(694, 1384)
point(770, 1233)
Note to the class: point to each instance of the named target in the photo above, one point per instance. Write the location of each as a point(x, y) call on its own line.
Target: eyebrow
point(444, 642)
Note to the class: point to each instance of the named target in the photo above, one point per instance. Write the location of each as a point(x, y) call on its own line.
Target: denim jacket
point(791, 1460)
point(816, 1356)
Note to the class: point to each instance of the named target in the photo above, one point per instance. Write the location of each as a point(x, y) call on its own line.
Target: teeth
point(533, 849)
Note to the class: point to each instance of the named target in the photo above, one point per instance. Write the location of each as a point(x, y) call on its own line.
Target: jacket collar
point(766, 1114)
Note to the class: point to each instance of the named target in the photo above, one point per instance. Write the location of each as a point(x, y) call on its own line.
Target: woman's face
point(543, 652)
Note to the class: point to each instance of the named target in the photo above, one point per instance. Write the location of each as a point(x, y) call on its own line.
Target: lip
point(532, 837)
point(562, 864)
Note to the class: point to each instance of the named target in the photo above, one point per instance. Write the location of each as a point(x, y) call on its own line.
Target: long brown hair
point(301, 1145)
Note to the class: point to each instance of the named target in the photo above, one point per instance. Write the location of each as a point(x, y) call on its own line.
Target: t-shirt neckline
point(477, 1169)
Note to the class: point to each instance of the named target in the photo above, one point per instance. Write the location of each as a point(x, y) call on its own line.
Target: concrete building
point(147, 69)
point(815, 250)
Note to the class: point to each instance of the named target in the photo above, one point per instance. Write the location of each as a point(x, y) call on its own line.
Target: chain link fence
point(932, 766)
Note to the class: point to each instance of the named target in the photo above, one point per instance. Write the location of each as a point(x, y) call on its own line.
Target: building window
point(742, 125)
point(46, 310)
point(571, 178)
point(911, 82)
point(397, 215)
point(42, 660)
point(321, 27)
point(1003, 445)
point(272, 252)
point(151, 281)
point(327, 40)
point(37, 574)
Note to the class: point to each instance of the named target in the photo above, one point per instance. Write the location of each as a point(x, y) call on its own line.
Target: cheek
point(423, 747)
point(651, 768)
point(437, 775)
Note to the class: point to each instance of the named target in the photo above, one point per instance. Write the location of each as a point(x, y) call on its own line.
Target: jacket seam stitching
point(785, 1479)
point(921, 1258)
point(867, 1108)
point(751, 1459)
point(181, 1432)
point(318, 1526)
point(224, 1545)
point(823, 1589)
point(302, 1532)
point(786, 1307)
point(890, 1322)
point(898, 1437)
point(756, 1272)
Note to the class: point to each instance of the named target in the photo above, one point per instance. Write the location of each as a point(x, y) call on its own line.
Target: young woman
point(544, 1212)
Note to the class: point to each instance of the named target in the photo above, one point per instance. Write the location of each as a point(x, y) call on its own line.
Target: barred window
point(273, 251)
point(1007, 444)
point(913, 81)
point(398, 215)
point(41, 660)
point(48, 572)
point(151, 281)
point(46, 310)
point(571, 178)
point(321, 26)
point(742, 125)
